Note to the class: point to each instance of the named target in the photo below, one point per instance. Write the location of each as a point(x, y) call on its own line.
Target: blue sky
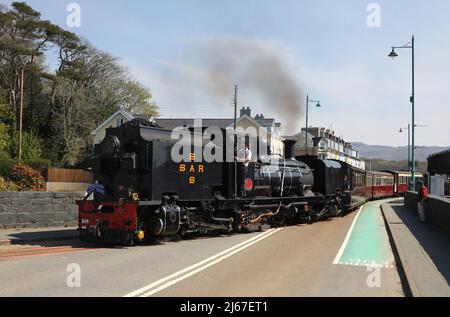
point(330, 50)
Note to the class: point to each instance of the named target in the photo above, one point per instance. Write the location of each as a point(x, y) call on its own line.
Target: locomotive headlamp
point(140, 235)
point(135, 196)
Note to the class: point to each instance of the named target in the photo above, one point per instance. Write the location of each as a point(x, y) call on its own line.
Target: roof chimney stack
point(246, 111)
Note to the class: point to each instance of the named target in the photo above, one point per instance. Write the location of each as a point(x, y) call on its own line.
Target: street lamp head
point(318, 105)
point(393, 54)
point(401, 131)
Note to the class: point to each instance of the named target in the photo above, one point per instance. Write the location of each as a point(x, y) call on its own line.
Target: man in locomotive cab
point(243, 157)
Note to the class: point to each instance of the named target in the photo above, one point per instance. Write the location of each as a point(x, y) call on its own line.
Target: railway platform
point(423, 251)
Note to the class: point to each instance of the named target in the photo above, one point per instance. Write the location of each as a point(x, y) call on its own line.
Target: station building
point(439, 167)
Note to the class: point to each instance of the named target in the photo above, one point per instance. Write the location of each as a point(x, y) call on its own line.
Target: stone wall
point(437, 209)
point(38, 209)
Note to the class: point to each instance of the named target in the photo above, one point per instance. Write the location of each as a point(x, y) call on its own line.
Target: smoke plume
point(267, 77)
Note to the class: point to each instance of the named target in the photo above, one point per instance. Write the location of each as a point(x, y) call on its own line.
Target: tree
point(6, 118)
point(137, 99)
point(22, 38)
point(61, 106)
point(71, 124)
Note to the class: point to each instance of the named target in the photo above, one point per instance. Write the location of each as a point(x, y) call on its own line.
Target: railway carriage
point(382, 184)
point(354, 185)
point(401, 181)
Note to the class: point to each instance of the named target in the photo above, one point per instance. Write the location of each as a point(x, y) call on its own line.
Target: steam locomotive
point(141, 193)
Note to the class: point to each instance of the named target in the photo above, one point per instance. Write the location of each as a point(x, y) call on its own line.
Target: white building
point(116, 120)
point(245, 121)
point(326, 145)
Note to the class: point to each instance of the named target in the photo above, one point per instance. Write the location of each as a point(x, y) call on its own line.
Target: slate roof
point(220, 123)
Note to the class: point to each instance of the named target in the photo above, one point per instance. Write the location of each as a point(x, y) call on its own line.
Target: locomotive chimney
point(289, 149)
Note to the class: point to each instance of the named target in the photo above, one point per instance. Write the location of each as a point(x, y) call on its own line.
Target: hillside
point(383, 165)
point(391, 153)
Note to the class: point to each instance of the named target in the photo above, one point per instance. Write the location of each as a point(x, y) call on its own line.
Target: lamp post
point(393, 54)
point(21, 115)
point(307, 117)
point(409, 143)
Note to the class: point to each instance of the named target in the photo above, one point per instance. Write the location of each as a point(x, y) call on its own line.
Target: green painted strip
point(366, 245)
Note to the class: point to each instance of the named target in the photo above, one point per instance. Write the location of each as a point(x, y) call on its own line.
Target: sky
point(324, 48)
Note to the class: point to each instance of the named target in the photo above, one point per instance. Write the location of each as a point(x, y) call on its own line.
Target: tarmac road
point(304, 260)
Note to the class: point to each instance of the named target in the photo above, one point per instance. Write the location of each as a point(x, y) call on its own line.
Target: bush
point(4, 138)
point(3, 185)
point(7, 116)
point(31, 146)
point(40, 164)
point(7, 186)
point(27, 178)
point(6, 164)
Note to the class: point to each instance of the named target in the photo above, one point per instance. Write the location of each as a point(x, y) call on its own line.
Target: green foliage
point(383, 165)
point(4, 138)
point(137, 99)
point(6, 114)
point(7, 186)
point(26, 178)
point(31, 146)
point(6, 164)
point(40, 164)
point(6, 119)
point(25, 10)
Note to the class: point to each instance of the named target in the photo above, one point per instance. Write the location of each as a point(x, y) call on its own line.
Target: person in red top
point(421, 198)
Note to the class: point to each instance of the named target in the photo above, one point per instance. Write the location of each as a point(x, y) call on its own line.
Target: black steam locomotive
point(140, 193)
